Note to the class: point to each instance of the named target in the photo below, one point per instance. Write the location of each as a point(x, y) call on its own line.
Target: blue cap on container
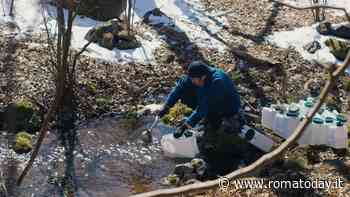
point(308, 104)
point(329, 119)
point(317, 120)
point(340, 123)
point(341, 118)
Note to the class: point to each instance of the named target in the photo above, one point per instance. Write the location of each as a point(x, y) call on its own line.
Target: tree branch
point(265, 159)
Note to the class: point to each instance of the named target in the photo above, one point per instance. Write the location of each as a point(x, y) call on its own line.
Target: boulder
point(21, 115)
point(107, 41)
point(102, 10)
point(338, 48)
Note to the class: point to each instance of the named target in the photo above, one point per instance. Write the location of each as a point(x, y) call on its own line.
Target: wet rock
point(22, 116)
point(101, 10)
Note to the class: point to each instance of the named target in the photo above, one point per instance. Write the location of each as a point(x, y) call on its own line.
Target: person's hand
point(180, 130)
point(163, 111)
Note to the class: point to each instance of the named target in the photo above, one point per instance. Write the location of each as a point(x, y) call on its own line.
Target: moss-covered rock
point(338, 48)
point(102, 10)
point(124, 45)
point(25, 106)
point(23, 143)
point(107, 41)
point(176, 114)
point(22, 115)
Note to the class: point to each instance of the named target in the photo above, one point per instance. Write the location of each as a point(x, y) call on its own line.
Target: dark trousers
point(221, 146)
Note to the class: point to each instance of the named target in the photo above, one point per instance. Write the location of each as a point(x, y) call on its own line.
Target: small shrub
point(23, 143)
point(176, 114)
point(24, 135)
point(91, 87)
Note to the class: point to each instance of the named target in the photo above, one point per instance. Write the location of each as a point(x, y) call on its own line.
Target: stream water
point(110, 160)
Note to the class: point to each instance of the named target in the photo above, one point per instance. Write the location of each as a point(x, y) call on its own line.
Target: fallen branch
point(265, 159)
point(314, 7)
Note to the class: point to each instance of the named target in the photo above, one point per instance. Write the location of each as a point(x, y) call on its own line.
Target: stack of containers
point(327, 127)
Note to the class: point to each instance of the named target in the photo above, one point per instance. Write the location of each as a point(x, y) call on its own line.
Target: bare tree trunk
point(129, 17)
point(64, 80)
point(11, 7)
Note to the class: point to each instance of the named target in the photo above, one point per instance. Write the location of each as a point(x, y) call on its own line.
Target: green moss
point(176, 114)
point(23, 142)
point(24, 106)
point(91, 87)
point(24, 135)
point(104, 102)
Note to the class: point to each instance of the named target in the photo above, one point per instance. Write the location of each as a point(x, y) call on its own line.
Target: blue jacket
point(184, 91)
point(218, 98)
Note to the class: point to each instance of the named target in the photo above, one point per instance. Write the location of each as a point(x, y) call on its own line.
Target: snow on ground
point(299, 37)
point(27, 14)
point(336, 3)
point(186, 14)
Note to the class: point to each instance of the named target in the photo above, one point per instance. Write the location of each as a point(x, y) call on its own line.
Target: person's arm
point(175, 93)
point(198, 114)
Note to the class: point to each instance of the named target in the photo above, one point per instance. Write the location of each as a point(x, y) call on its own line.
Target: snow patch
point(187, 15)
point(299, 37)
point(336, 3)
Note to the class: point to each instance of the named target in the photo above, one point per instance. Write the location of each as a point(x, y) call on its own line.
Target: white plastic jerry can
point(280, 124)
point(183, 147)
point(257, 139)
point(319, 132)
point(268, 117)
point(291, 125)
point(338, 137)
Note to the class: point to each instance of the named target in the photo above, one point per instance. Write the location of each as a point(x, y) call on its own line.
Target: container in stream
point(256, 138)
point(183, 147)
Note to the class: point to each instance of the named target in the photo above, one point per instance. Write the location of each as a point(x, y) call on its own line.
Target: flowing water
point(110, 160)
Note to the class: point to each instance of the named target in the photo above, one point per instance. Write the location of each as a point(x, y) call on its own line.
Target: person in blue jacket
point(217, 102)
point(209, 91)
